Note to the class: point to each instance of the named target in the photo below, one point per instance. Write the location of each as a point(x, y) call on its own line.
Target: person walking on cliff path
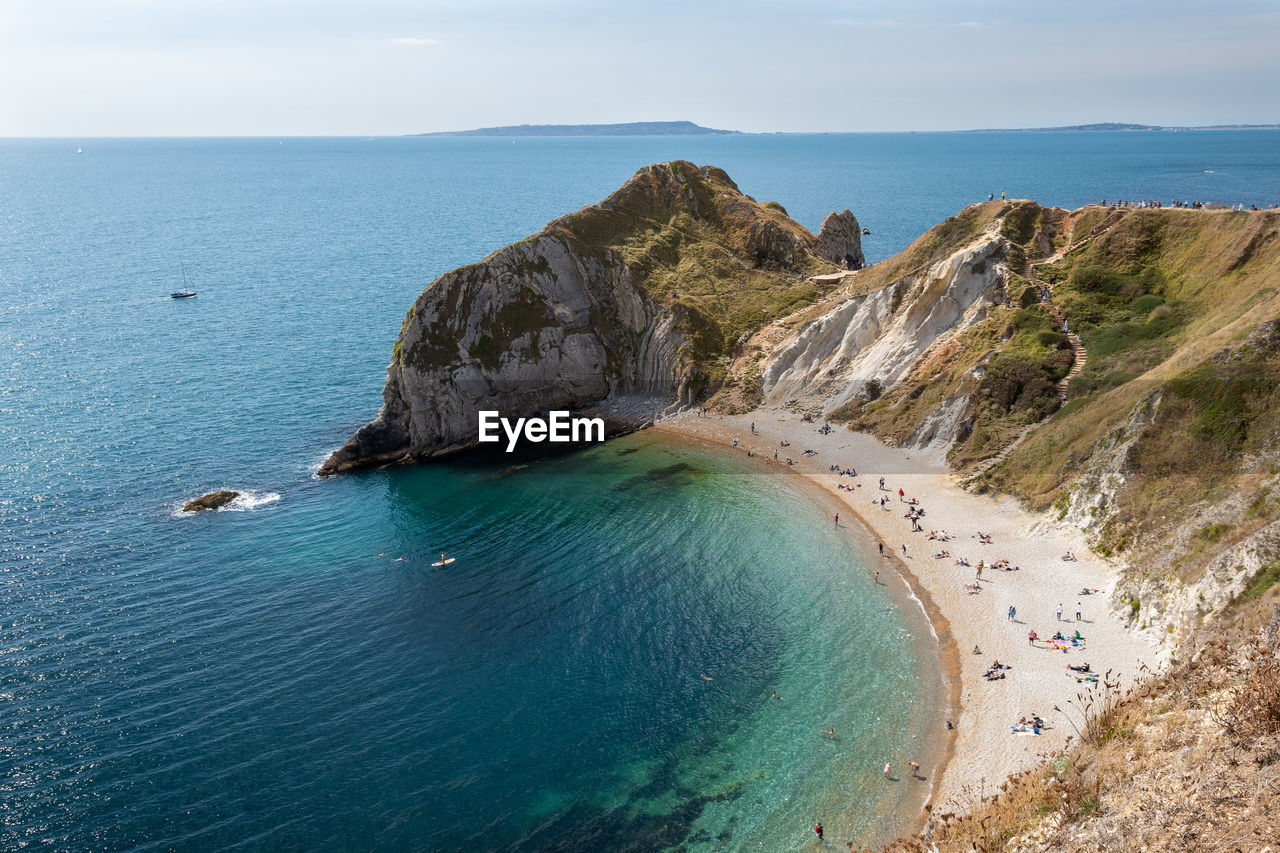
point(1002, 195)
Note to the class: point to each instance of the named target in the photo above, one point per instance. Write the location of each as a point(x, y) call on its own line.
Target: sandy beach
point(983, 750)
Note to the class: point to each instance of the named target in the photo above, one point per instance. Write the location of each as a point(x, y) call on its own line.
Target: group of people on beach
point(1059, 642)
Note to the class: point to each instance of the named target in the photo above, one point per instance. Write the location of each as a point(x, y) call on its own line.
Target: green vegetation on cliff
point(690, 239)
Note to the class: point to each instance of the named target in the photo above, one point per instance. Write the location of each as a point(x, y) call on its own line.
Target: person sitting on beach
point(1069, 557)
point(1081, 668)
point(1077, 636)
point(1087, 591)
point(963, 562)
point(941, 555)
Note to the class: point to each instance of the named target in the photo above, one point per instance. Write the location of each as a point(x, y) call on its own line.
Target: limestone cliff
point(644, 294)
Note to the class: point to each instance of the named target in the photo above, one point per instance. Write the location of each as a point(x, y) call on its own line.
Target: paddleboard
point(444, 562)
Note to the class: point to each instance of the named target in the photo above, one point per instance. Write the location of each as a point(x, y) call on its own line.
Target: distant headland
point(633, 128)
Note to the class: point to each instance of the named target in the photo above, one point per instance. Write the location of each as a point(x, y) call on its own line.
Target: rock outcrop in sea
point(213, 500)
point(644, 295)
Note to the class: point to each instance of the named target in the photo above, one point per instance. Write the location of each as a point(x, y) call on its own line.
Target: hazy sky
point(268, 67)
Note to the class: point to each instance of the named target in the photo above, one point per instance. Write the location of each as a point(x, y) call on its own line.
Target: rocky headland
point(642, 295)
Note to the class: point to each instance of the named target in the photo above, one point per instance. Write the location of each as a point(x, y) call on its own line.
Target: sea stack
point(626, 306)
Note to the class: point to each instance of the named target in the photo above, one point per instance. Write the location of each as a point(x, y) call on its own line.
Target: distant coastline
point(634, 128)
point(1113, 125)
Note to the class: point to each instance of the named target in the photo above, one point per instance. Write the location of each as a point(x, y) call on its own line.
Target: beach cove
point(982, 749)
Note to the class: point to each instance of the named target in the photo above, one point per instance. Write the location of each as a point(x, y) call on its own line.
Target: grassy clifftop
point(724, 263)
point(1179, 313)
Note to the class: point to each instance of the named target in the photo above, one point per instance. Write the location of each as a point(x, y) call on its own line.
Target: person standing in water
point(818, 829)
point(888, 770)
point(837, 519)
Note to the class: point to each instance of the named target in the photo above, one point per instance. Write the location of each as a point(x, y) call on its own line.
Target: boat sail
point(186, 292)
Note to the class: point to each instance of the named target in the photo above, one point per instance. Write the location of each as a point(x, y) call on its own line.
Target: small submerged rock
point(213, 500)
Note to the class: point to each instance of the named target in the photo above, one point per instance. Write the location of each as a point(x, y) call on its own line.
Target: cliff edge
point(645, 294)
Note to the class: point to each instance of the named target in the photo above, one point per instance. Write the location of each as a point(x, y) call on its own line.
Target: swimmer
point(705, 677)
point(829, 732)
point(776, 696)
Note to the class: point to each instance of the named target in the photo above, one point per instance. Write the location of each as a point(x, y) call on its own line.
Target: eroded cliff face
point(623, 298)
point(880, 335)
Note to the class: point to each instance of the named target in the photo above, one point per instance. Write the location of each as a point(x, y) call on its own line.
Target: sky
point(84, 68)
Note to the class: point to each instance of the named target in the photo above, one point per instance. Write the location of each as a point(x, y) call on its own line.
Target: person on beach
point(881, 548)
point(1079, 613)
point(1031, 638)
point(915, 770)
point(1059, 611)
point(949, 726)
point(1010, 612)
point(904, 550)
point(901, 494)
point(877, 579)
point(837, 519)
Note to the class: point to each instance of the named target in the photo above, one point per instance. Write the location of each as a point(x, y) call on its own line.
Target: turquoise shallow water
point(259, 679)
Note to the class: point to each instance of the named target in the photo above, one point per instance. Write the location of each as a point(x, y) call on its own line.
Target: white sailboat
point(186, 292)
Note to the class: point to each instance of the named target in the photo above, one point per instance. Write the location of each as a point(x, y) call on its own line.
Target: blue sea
point(594, 671)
